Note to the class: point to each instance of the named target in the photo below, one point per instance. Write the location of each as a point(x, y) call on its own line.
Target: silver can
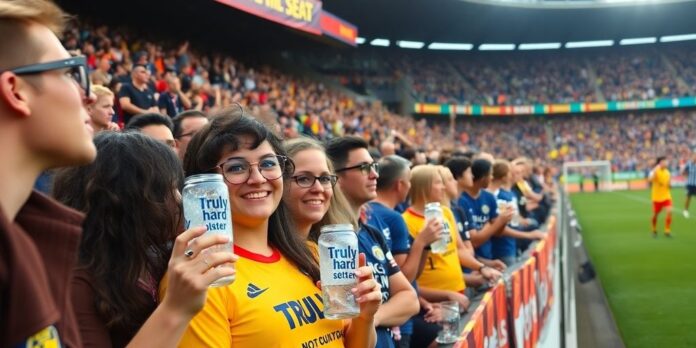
point(338, 261)
point(207, 203)
point(434, 211)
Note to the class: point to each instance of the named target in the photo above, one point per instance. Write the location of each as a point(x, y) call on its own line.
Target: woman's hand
point(368, 292)
point(431, 232)
point(190, 272)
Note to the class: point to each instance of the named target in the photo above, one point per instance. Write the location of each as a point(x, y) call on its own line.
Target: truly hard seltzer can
point(206, 203)
point(433, 211)
point(338, 261)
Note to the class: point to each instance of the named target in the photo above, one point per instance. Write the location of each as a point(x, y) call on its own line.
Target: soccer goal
point(587, 176)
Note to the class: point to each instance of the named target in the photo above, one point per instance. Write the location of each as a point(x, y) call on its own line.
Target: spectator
point(127, 196)
point(272, 255)
point(137, 97)
point(173, 101)
point(156, 126)
point(185, 126)
point(101, 113)
point(357, 174)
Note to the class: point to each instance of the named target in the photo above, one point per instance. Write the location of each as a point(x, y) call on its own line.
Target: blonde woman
point(442, 278)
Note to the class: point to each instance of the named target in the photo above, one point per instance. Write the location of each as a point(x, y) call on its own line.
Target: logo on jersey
point(47, 338)
point(254, 291)
point(378, 253)
point(485, 209)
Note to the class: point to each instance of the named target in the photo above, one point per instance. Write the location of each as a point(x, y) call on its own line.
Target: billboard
point(298, 14)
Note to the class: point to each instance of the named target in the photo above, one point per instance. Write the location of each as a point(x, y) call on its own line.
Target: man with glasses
point(357, 179)
point(137, 97)
point(186, 125)
point(43, 125)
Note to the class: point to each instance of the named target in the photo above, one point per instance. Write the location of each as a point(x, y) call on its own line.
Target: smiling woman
point(309, 194)
point(259, 309)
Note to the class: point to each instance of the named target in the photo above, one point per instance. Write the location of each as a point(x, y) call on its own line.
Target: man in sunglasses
point(357, 179)
point(43, 125)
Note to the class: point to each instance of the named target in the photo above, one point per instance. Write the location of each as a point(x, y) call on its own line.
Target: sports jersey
point(372, 243)
point(463, 219)
point(504, 246)
point(483, 209)
point(660, 185)
point(259, 309)
point(690, 170)
point(441, 271)
point(400, 243)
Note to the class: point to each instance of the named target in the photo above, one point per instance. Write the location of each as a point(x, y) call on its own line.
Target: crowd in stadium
point(531, 78)
point(156, 112)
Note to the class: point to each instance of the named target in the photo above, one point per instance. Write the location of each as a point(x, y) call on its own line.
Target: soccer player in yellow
point(661, 197)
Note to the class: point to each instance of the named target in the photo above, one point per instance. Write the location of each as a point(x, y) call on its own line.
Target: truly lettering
point(300, 312)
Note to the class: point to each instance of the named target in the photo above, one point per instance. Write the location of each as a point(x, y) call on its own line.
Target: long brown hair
point(223, 134)
point(339, 209)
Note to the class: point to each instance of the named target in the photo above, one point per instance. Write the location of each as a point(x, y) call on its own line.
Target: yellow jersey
point(270, 304)
point(660, 185)
point(441, 271)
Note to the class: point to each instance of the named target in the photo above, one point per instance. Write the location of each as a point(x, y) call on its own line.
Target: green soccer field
point(650, 283)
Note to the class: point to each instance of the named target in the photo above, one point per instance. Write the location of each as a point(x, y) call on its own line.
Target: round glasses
point(307, 180)
point(237, 170)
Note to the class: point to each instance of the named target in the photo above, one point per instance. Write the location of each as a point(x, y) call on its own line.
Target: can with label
point(434, 211)
point(206, 203)
point(338, 261)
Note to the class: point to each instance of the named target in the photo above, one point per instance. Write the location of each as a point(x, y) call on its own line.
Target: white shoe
point(686, 214)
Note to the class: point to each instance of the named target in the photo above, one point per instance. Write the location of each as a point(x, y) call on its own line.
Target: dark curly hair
point(129, 197)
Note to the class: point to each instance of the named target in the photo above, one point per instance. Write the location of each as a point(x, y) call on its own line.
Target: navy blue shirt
point(483, 209)
point(400, 238)
point(371, 242)
point(504, 246)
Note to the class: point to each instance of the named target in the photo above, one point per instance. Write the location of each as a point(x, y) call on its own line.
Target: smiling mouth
point(314, 202)
point(256, 195)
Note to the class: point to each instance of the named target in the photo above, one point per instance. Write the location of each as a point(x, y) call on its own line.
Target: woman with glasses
point(309, 193)
point(274, 300)
point(130, 200)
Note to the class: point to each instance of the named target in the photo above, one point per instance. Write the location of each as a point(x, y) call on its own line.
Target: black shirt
point(171, 102)
point(144, 99)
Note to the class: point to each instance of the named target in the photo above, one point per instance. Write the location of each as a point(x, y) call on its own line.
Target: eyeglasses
point(77, 66)
point(237, 170)
point(306, 180)
point(189, 134)
point(365, 168)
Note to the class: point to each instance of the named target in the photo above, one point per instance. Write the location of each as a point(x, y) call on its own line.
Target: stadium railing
point(533, 305)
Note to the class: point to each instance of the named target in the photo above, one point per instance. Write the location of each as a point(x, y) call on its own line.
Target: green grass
point(650, 283)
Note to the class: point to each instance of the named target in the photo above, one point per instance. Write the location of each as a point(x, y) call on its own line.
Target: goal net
point(587, 176)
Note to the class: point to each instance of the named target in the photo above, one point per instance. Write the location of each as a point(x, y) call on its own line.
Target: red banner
point(338, 28)
point(488, 327)
point(525, 330)
point(544, 254)
point(298, 14)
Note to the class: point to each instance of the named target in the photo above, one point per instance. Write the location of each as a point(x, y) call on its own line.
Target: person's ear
point(14, 93)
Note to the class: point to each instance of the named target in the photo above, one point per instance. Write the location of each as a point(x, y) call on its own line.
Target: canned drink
point(434, 211)
point(338, 261)
point(206, 203)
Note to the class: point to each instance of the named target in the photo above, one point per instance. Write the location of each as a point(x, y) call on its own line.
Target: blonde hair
point(422, 177)
point(339, 210)
point(445, 174)
point(101, 91)
point(17, 46)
